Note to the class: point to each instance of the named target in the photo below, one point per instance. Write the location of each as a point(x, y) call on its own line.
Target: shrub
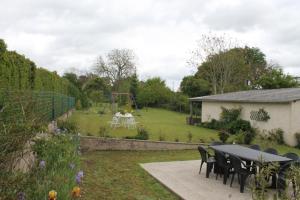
point(161, 137)
point(240, 124)
point(103, 132)
point(240, 137)
point(245, 137)
point(142, 134)
point(68, 126)
point(189, 136)
point(276, 135)
point(230, 115)
point(223, 135)
point(297, 136)
point(176, 140)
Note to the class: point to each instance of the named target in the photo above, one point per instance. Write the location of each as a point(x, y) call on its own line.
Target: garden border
point(92, 143)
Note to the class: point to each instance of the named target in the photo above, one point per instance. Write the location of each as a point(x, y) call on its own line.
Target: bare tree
point(118, 65)
point(212, 57)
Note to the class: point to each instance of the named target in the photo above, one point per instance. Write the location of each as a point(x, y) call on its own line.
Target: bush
point(297, 136)
point(103, 132)
point(176, 140)
point(276, 135)
point(161, 137)
point(68, 126)
point(240, 124)
point(223, 135)
point(245, 137)
point(230, 115)
point(189, 136)
point(141, 135)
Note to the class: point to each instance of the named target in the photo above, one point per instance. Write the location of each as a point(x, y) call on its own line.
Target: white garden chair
point(115, 122)
point(131, 123)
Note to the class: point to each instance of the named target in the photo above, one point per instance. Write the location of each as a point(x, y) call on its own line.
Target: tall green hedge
point(19, 73)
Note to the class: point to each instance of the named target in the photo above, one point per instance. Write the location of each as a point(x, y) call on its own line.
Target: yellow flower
point(52, 195)
point(76, 191)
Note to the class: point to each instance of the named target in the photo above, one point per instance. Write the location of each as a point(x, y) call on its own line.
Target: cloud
point(64, 34)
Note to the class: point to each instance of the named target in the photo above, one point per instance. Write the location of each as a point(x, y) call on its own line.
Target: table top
point(249, 154)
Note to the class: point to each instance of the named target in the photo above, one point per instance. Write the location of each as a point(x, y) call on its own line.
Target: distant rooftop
point(255, 96)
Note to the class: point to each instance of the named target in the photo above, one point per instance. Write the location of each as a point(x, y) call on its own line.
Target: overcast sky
point(63, 34)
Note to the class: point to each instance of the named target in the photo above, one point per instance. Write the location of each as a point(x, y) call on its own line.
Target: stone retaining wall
point(90, 143)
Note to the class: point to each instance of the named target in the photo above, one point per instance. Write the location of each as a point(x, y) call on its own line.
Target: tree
point(218, 65)
point(275, 79)
point(154, 92)
point(2, 46)
point(118, 65)
point(134, 83)
point(194, 86)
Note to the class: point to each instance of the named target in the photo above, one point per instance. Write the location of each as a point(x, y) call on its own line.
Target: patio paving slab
point(182, 178)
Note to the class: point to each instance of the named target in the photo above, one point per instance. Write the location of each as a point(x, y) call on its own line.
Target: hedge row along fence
point(45, 106)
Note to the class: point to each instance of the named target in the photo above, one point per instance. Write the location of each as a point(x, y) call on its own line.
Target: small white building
point(281, 105)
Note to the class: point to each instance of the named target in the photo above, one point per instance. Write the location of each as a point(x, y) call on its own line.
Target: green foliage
point(142, 134)
point(223, 135)
point(153, 92)
point(103, 131)
point(134, 86)
point(276, 135)
point(161, 137)
point(297, 136)
point(230, 115)
point(237, 125)
point(194, 86)
point(189, 136)
point(275, 79)
point(67, 126)
point(59, 154)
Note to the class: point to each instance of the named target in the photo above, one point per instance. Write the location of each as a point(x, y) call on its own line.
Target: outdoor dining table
point(248, 154)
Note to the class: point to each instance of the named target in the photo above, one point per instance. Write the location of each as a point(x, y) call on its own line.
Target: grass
point(160, 123)
point(117, 174)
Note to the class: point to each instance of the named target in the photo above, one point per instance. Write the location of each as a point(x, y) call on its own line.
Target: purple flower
point(72, 165)
point(78, 179)
point(21, 196)
point(42, 164)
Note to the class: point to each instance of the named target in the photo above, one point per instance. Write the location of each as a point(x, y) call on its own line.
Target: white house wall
point(281, 116)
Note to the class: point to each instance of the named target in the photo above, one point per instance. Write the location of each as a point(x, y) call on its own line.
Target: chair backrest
point(292, 156)
point(220, 159)
point(216, 143)
point(271, 151)
point(255, 147)
point(203, 153)
point(236, 163)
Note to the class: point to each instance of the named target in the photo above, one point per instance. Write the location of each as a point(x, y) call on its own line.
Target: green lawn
point(117, 174)
point(159, 123)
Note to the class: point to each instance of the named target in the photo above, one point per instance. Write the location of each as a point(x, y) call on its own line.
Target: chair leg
point(208, 169)
point(294, 187)
point(225, 176)
point(201, 166)
point(243, 180)
point(232, 178)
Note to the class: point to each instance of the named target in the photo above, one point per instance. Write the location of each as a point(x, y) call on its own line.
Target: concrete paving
point(183, 179)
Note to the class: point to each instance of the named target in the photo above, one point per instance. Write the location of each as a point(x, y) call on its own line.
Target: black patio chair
point(255, 147)
point(206, 158)
point(223, 166)
point(271, 151)
point(241, 169)
point(283, 174)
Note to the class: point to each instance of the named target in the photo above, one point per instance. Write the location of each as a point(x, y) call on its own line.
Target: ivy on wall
point(260, 115)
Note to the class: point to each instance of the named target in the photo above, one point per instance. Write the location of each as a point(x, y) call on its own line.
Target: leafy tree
point(193, 86)
point(276, 79)
point(134, 84)
point(2, 46)
point(118, 65)
point(154, 92)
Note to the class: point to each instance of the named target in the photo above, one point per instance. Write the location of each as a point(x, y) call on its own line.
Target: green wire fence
point(42, 105)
